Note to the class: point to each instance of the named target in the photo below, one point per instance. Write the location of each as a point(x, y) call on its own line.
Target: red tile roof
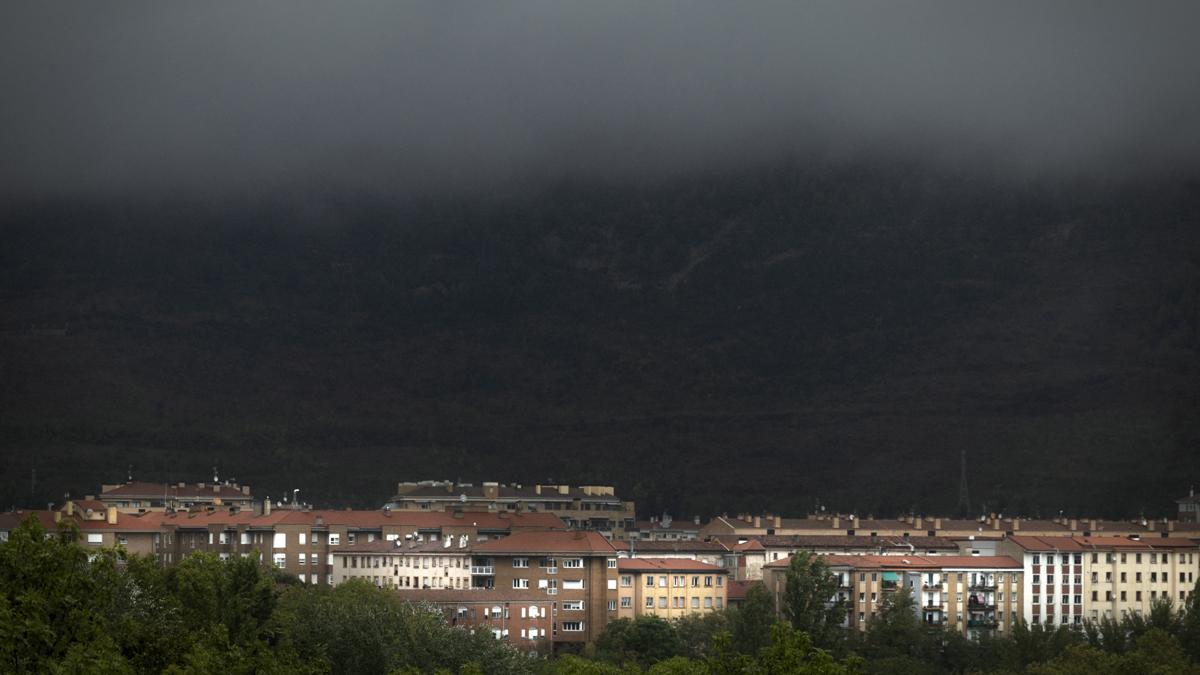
point(584, 542)
point(143, 490)
point(911, 562)
point(667, 565)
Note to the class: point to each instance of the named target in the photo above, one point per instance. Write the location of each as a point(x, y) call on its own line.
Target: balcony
point(485, 570)
point(981, 623)
point(551, 570)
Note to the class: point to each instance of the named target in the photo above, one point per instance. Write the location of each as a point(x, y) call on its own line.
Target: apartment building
point(1072, 579)
point(524, 618)
point(994, 525)
point(666, 528)
point(574, 570)
point(406, 564)
point(140, 497)
point(669, 587)
point(583, 507)
point(970, 594)
point(756, 551)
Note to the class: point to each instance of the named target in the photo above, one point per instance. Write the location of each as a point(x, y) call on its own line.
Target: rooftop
point(578, 542)
point(667, 565)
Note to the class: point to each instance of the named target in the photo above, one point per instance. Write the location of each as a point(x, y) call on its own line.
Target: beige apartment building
point(1073, 579)
point(668, 588)
point(969, 594)
point(582, 507)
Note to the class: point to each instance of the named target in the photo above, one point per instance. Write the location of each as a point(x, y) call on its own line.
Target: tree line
point(66, 609)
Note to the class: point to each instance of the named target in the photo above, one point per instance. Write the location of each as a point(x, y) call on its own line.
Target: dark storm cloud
point(258, 95)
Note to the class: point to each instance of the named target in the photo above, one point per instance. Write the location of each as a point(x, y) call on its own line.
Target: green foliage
point(644, 640)
point(808, 588)
point(751, 623)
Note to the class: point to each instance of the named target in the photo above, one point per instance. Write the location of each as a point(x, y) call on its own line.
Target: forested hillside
point(750, 340)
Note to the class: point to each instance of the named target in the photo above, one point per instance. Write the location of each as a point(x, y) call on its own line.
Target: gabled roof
point(144, 490)
point(656, 546)
point(667, 565)
point(903, 562)
point(576, 542)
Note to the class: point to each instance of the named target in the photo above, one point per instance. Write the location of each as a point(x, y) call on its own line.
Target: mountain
point(755, 339)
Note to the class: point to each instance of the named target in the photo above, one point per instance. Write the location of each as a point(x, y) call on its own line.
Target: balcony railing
point(981, 623)
point(551, 570)
point(551, 591)
point(483, 569)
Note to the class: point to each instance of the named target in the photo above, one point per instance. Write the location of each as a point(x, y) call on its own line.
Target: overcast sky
point(395, 95)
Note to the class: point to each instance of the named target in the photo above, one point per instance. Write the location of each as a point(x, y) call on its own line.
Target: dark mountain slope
point(751, 340)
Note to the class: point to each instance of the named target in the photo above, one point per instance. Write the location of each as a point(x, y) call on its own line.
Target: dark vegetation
point(61, 612)
point(764, 339)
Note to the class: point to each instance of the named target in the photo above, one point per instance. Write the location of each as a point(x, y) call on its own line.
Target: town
point(554, 564)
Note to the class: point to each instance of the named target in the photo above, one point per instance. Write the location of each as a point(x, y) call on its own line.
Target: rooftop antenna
point(964, 498)
point(129, 474)
point(215, 479)
point(296, 496)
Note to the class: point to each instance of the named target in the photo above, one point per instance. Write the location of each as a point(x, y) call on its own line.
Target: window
point(572, 605)
point(521, 562)
point(520, 583)
point(573, 585)
point(95, 538)
point(612, 605)
point(649, 602)
point(626, 602)
point(572, 563)
point(677, 581)
point(649, 580)
point(720, 602)
point(572, 626)
point(280, 540)
point(708, 581)
point(301, 561)
point(1037, 559)
point(303, 538)
point(334, 539)
point(662, 602)
point(695, 582)
point(626, 581)
point(122, 540)
point(612, 563)
point(662, 581)
point(280, 560)
point(695, 602)
point(708, 603)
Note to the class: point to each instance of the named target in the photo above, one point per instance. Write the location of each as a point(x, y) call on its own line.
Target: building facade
point(669, 588)
point(583, 507)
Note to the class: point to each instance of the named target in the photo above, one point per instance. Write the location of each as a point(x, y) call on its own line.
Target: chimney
point(70, 508)
point(837, 522)
point(1016, 524)
point(182, 484)
point(564, 489)
point(1170, 526)
point(995, 522)
point(1074, 524)
point(112, 515)
point(918, 521)
point(267, 507)
point(449, 486)
point(246, 490)
point(696, 520)
point(757, 521)
point(58, 516)
point(778, 521)
point(937, 523)
point(216, 488)
point(537, 489)
point(1092, 525)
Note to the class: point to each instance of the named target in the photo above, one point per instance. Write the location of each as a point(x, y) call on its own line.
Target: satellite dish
point(463, 498)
